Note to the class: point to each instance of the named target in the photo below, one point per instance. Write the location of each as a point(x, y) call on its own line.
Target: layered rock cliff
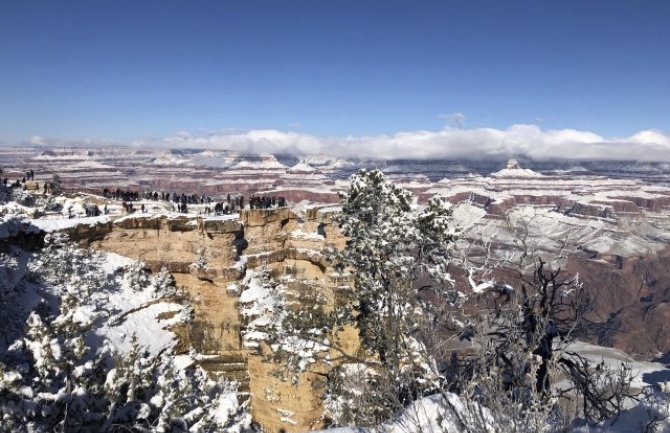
point(209, 258)
point(215, 258)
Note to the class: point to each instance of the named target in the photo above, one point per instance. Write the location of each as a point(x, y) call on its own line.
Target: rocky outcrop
point(29, 233)
point(179, 241)
point(206, 255)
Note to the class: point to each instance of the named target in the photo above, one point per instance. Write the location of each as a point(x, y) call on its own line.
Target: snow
point(90, 164)
point(286, 416)
point(433, 414)
point(13, 207)
point(183, 362)
point(240, 264)
point(229, 217)
point(514, 170)
point(136, 215)
point(170, 160)
point(645, 373)
point(13, 225)
point(505, 172)
point(145, 325)
point(312, 236)
point(255, 293)
point(227, 405)
point(263, 164)
point(636, 419)
point(466, 215)
point(329, 209)
point(301, 167)
point(57, 225)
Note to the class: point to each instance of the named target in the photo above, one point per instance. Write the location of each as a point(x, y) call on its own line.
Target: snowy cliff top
point(301, 167)
point(513, 169)
point(55, 225)
point(12, 225)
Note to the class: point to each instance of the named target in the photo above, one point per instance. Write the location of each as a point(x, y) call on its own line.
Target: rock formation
point(209, 257)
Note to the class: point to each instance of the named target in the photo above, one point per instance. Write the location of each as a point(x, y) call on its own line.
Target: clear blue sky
point(127, 69)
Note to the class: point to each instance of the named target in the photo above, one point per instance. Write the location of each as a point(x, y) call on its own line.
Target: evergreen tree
point(396, 253)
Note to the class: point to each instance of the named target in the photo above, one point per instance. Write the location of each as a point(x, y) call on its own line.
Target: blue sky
point(124, 70)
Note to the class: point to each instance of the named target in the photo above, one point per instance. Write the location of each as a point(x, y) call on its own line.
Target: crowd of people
point(230, 205)
point(20, 182)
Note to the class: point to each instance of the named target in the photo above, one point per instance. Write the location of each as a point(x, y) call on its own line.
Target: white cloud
point(521, 139)
point(517, 140)
point(37, 140)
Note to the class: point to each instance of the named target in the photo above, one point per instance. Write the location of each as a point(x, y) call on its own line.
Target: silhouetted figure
point(92, 210)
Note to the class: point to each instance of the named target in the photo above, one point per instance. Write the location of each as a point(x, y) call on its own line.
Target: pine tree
point(136, 277)
point(164, 283)
point(396, 252)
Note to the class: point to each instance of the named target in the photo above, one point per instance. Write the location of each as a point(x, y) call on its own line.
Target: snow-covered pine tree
point(164, 283)
point(62, 374)
point(397, 254)
point(136, 277)
point(60, 380)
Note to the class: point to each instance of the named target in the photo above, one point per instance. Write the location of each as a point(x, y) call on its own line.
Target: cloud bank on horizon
point(450, 142)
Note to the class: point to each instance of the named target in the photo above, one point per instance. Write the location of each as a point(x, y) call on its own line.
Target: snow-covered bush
point(12, 290)
point(262, 307)
point(149, 393)
point(200, 264)
point(163, 283)
point(502, 353)
point(136, 277)
point(72, 368)
point(66, 268)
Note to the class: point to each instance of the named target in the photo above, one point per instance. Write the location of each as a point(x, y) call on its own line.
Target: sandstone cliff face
point(179, 241)
point(209, 257)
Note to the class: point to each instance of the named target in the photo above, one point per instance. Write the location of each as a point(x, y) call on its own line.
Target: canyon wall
point(209, 257)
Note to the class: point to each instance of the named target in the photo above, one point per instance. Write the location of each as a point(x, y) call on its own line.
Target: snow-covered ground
point(119, 311)
point(434, 414)
point(449, 414)
point(645, 373)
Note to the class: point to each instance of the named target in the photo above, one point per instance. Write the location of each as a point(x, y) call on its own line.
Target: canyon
point(613, 231)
